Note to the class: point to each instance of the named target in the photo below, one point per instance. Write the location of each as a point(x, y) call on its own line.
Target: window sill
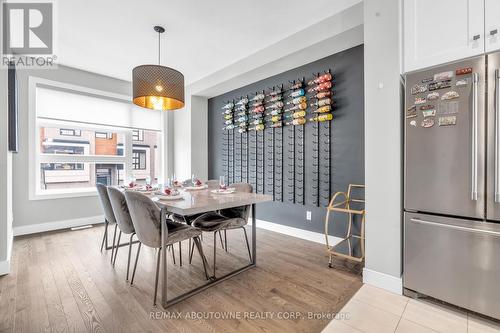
point(63, 194)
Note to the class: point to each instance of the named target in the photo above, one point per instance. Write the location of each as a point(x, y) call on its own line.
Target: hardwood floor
point(60, 282)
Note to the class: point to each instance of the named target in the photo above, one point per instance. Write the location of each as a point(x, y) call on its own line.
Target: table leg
point(254, 236)
point(164, 231)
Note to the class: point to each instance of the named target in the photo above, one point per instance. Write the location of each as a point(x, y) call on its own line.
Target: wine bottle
point(322, 117)
point(228, 106)
point(228, 116)
point(258, 97)
point(323, 94)
point(322, 102)
point(241, 108)
point(298, 93)
point(242, 101)
point(321, 87)
point(320, 79)
point(242, 125)
point(242, 130)
point(228, 122)
point(274, 112)
point(295, 115)
point(297, 100)
point(230, 127)
point(275, 98)
point(258, 109)
point(259, 127)
point(297, 85)
point(228, 111)
point(275, 92)
point(242, 119)
point(276, 105)
point(256, 121)
point(298, 121)
point(276, 118)
point(242, 113)
point(256, 104)
point(301, 106)
point(323, 109)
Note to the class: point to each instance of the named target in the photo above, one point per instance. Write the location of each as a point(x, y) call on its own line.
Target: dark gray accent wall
point(347, 135)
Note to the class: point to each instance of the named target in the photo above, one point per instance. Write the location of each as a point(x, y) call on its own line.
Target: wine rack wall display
point(264, 140)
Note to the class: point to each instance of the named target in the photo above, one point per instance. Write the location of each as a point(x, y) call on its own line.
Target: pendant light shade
point(158, 87)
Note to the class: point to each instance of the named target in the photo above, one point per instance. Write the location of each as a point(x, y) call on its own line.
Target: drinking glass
point(148, 180)
point(193, 179)
point(222, 182)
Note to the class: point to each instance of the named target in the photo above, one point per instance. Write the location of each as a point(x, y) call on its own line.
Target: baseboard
point(4, 267)
point(383, 281)
point(56, 225)
point(296, 232)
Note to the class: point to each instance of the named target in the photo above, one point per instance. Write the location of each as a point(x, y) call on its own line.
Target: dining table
point(201, 201)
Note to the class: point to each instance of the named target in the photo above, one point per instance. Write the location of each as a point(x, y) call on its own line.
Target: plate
point(228, 191)
point(195, 188)
point(169, 197)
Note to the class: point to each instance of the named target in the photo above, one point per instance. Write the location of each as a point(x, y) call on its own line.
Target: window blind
point(76, 107)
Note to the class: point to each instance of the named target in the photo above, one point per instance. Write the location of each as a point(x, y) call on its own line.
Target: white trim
point(382, 280)
point(56, 225)
point(312, 236)
point(4, 267)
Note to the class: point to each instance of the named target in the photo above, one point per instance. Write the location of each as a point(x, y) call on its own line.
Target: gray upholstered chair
point(123, 220)
point(146, 217)
point(109, 216)
point(226, 219)
point(238, 216)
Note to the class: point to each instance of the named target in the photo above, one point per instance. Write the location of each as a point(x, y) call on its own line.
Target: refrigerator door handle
point(497, 135)
point(456, 227)
point(474, 139)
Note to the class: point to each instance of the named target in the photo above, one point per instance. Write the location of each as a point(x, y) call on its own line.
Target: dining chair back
point(145, 218)
point(242, 211)
point(213, 184)
point(105, 203)
point(120, 210)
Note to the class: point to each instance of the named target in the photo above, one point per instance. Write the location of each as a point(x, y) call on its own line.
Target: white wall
point(5, 180)
point(383, 144)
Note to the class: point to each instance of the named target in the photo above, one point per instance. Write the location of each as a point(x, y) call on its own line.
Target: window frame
point(36, 157)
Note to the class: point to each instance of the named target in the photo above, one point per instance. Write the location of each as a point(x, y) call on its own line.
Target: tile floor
point(375, 310)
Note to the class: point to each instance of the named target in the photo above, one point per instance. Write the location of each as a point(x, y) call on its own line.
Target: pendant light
point(158, 87)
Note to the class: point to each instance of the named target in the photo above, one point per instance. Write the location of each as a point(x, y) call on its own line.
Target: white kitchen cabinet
point(439, 31)
point(492, 25)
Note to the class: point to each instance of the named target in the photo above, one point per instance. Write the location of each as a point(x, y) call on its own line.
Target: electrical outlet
point(308, 215)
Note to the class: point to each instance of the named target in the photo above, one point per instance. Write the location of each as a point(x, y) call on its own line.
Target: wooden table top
point(201, 201)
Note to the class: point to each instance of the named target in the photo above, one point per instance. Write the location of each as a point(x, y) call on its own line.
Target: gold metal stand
point(352, 247)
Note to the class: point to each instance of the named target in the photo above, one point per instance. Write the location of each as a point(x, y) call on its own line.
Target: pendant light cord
point(159, 47)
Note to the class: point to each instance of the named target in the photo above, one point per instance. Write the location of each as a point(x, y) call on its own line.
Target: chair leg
point(191, 253)
point(180, 254)
point(129, 253)
point(189, 248)
point(117, 246)
point(225, 239)
point(135, 265)
point(221, 242)
point(248, 245)
point(156, 277)
point(173, 253)
point(113, 247)
point(215, 249)
point(196, 240)
point(105, 234)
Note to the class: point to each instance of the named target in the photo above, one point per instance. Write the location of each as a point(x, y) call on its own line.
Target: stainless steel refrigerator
point(452, 184)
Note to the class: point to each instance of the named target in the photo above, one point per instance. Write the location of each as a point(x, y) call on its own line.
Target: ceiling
point(111, 37)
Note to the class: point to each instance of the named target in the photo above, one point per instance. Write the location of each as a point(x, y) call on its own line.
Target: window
point(138, 135)
point(139, 160)
point(104, 135)
point(76, 148)
point(69, 132)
